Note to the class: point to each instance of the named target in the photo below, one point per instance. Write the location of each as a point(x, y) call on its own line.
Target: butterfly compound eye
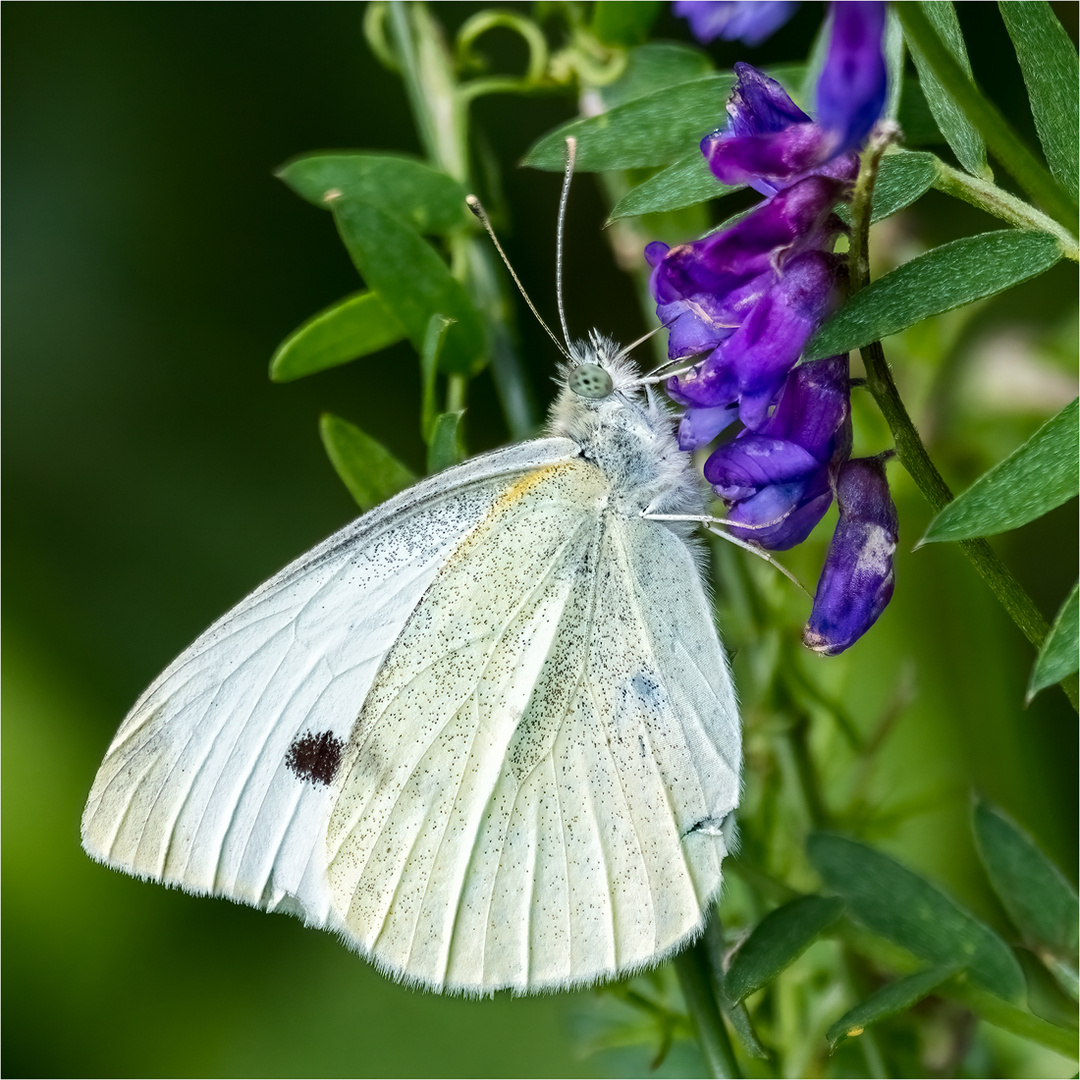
point(590, 381)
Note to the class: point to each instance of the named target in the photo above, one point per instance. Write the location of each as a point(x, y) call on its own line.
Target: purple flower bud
point(777, 478)
point(748, 21)
point(857, 581)
point(770, 142)
point(750, 365)
point(749, 296)
point(759, 105)
point(851, 90)
point(698, 427)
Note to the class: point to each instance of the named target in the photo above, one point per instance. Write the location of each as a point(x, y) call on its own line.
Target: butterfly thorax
point(628, 434)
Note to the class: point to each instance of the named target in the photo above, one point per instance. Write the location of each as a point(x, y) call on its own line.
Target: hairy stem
point(994, 200)
point(909, 446)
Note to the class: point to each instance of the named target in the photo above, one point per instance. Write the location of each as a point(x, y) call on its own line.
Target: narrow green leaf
point(412, 281)
point(993, 1010)
point(1052, 75)
point(904, 176)
point(657, 129)
point(780, 938)
point(1058, 656)
point(915, 118)
point(959, 132)
point(890, 900)
point(429, 365)
point(370, 472)
point(1038, 897)
point(1034, 478)
point(654, 66)
point(891, 999)
point(620, 22)
point(686, 183)
point(444, 448)
point(739, 1018)
point(356, 326)
point(944, 278)
point(427, 200)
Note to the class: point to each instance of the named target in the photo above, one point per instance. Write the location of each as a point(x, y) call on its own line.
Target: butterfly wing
point(534, 791)
point(220, 780)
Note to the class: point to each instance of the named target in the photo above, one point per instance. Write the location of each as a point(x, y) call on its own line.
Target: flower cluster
point(748, 21)
point(741, 304)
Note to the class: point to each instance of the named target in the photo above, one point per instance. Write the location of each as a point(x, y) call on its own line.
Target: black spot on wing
point(315, 757)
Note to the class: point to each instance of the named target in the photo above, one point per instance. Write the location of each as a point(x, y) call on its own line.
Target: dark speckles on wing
point(315, 757)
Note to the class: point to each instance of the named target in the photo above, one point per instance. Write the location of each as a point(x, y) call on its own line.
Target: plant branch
point(998, 134)
point(694, 970)
point(910, 449)
point(994, 200)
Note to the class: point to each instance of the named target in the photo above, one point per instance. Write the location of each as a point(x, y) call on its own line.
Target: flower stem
point(440, 111)
point(694, 970)
point(999, 136)
point(909, 446)
point(994, 200)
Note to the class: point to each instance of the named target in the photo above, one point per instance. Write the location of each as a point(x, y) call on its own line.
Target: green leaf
point(1058, 656)
point(903, 177)
point(915, 118)
point(1036, 894)
point(620, 22)
point(779, 939)
point(890, 900)
point(1034, 478)
point(959, 132)
point(657, 129)
point(370, 472)
point(655, 66)
point(412, 281)
point(444, 449)
point(425, 199)
point(944, 278)
point(356, 326)
point(891, 999)
point(429, 365)
point(686, 183)
point(1052, 76)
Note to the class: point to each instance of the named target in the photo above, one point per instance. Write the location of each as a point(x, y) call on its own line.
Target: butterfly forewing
point(219, 780)
point(540, 825)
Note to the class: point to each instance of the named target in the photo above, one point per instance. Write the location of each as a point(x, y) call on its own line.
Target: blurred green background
point(153, 476)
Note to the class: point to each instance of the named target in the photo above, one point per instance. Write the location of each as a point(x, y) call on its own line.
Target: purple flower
point(770, 142)
point(776, 480)
point(750, 296)
point(857, 581)
point(748, 21)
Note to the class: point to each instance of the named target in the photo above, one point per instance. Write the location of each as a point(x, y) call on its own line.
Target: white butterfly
point(486, 733)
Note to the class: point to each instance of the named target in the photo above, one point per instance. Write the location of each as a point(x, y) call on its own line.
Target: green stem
point(1001, 1014)
point(909, 446)
point(694, 970)
point(994, 200)
point(442, 121)
point(999, 136)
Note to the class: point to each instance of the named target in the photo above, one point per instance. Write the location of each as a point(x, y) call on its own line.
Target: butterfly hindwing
point(540, 824)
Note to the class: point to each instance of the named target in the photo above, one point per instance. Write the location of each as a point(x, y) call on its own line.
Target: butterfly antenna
point(477, 208)
point(571, 154)
point(641, 341)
